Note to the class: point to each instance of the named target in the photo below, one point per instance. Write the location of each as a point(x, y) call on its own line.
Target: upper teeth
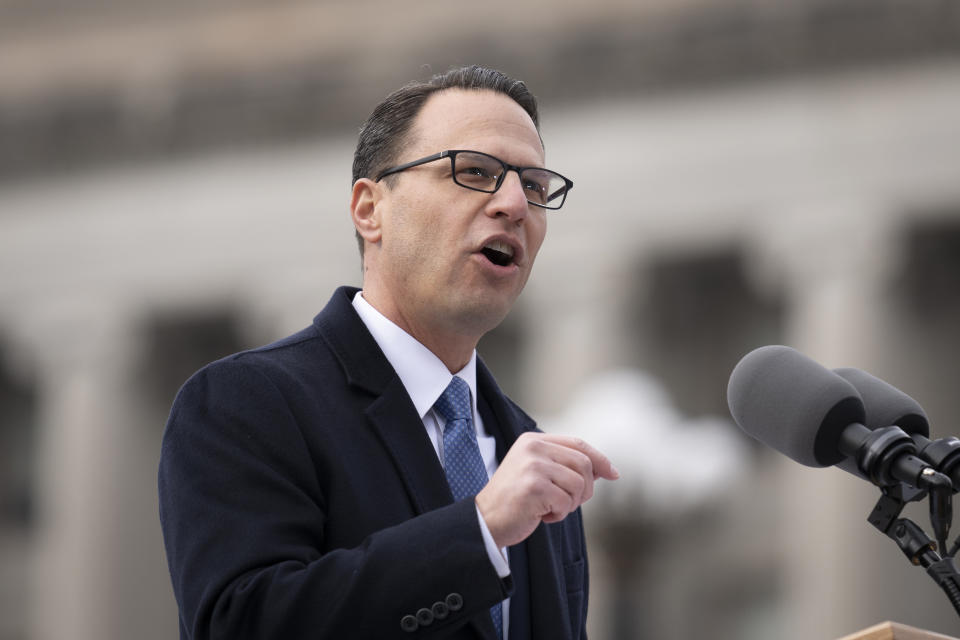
point(501, 246)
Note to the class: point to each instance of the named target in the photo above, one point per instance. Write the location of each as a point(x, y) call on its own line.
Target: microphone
point(885, 405)
point(815, 417)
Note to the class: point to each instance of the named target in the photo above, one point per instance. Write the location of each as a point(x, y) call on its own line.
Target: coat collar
point(367, 369)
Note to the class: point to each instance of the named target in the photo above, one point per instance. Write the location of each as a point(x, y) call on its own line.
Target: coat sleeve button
point(409, 624)
point(454, 601)
point(440, 610)
point(425, 617)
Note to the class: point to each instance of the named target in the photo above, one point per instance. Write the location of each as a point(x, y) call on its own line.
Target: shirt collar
point(422, 373)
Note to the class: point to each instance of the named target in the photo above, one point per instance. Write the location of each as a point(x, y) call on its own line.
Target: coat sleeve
point(243, 516)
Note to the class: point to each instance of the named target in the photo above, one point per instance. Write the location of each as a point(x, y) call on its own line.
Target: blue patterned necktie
point(466, 473)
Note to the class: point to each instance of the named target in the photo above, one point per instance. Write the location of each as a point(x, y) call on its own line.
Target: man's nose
point(510, 199)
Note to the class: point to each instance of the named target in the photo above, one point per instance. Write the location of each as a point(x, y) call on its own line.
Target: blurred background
point(174, 180)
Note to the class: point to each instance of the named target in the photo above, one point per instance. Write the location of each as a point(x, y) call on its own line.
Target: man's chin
point(483, 314)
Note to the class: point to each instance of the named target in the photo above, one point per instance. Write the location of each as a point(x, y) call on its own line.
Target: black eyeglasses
point(483, 172)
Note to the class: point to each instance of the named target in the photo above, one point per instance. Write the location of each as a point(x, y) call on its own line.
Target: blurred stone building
point(173, 187)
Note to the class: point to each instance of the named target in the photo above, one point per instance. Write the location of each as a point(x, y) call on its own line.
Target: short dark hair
point(387, 129)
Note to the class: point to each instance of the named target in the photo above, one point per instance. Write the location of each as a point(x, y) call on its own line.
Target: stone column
point(94, 568)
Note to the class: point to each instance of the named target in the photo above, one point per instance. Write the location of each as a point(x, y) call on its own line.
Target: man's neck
point(453, 348)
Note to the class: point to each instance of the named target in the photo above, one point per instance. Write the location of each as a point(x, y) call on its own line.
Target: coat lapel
point(400, 428)
point(390, 412)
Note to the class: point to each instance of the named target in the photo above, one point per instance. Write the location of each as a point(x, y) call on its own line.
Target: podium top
point(894, 631)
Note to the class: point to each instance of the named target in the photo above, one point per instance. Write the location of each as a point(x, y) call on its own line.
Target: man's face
point(431, 259)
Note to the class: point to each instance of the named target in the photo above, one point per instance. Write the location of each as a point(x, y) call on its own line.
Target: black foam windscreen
point(886, 405)
point(793, 404)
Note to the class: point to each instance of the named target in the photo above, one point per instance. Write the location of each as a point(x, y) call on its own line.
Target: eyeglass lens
point(484, 173)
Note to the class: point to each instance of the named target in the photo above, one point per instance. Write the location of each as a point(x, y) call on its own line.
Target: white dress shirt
point(425, 377)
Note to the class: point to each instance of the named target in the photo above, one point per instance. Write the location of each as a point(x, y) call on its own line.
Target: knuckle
point(585, 462)
point(537, 468)
point(587, 491)
point(536, 446)
point(536, 483)
point(577, 496)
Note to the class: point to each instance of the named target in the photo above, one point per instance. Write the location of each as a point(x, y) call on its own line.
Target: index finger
point(602, 467)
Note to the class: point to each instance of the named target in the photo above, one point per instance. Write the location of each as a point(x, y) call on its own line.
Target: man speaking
point(335, 484)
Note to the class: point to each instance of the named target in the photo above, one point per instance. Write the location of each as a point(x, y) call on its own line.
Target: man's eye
point(480, 172)
point(535, 191)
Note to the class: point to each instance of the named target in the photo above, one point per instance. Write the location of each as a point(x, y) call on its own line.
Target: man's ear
point(364, 209)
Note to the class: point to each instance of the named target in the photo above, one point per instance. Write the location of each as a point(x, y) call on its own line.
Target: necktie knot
point(454, 402)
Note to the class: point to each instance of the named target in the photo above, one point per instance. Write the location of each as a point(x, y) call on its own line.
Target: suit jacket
point(300, 497)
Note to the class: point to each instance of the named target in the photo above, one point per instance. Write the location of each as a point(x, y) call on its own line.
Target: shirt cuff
point(498, 557)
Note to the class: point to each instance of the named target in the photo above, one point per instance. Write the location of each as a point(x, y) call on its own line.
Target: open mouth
point(499, 253)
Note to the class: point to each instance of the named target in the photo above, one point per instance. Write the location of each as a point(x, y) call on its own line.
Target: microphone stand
point(912, 540)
